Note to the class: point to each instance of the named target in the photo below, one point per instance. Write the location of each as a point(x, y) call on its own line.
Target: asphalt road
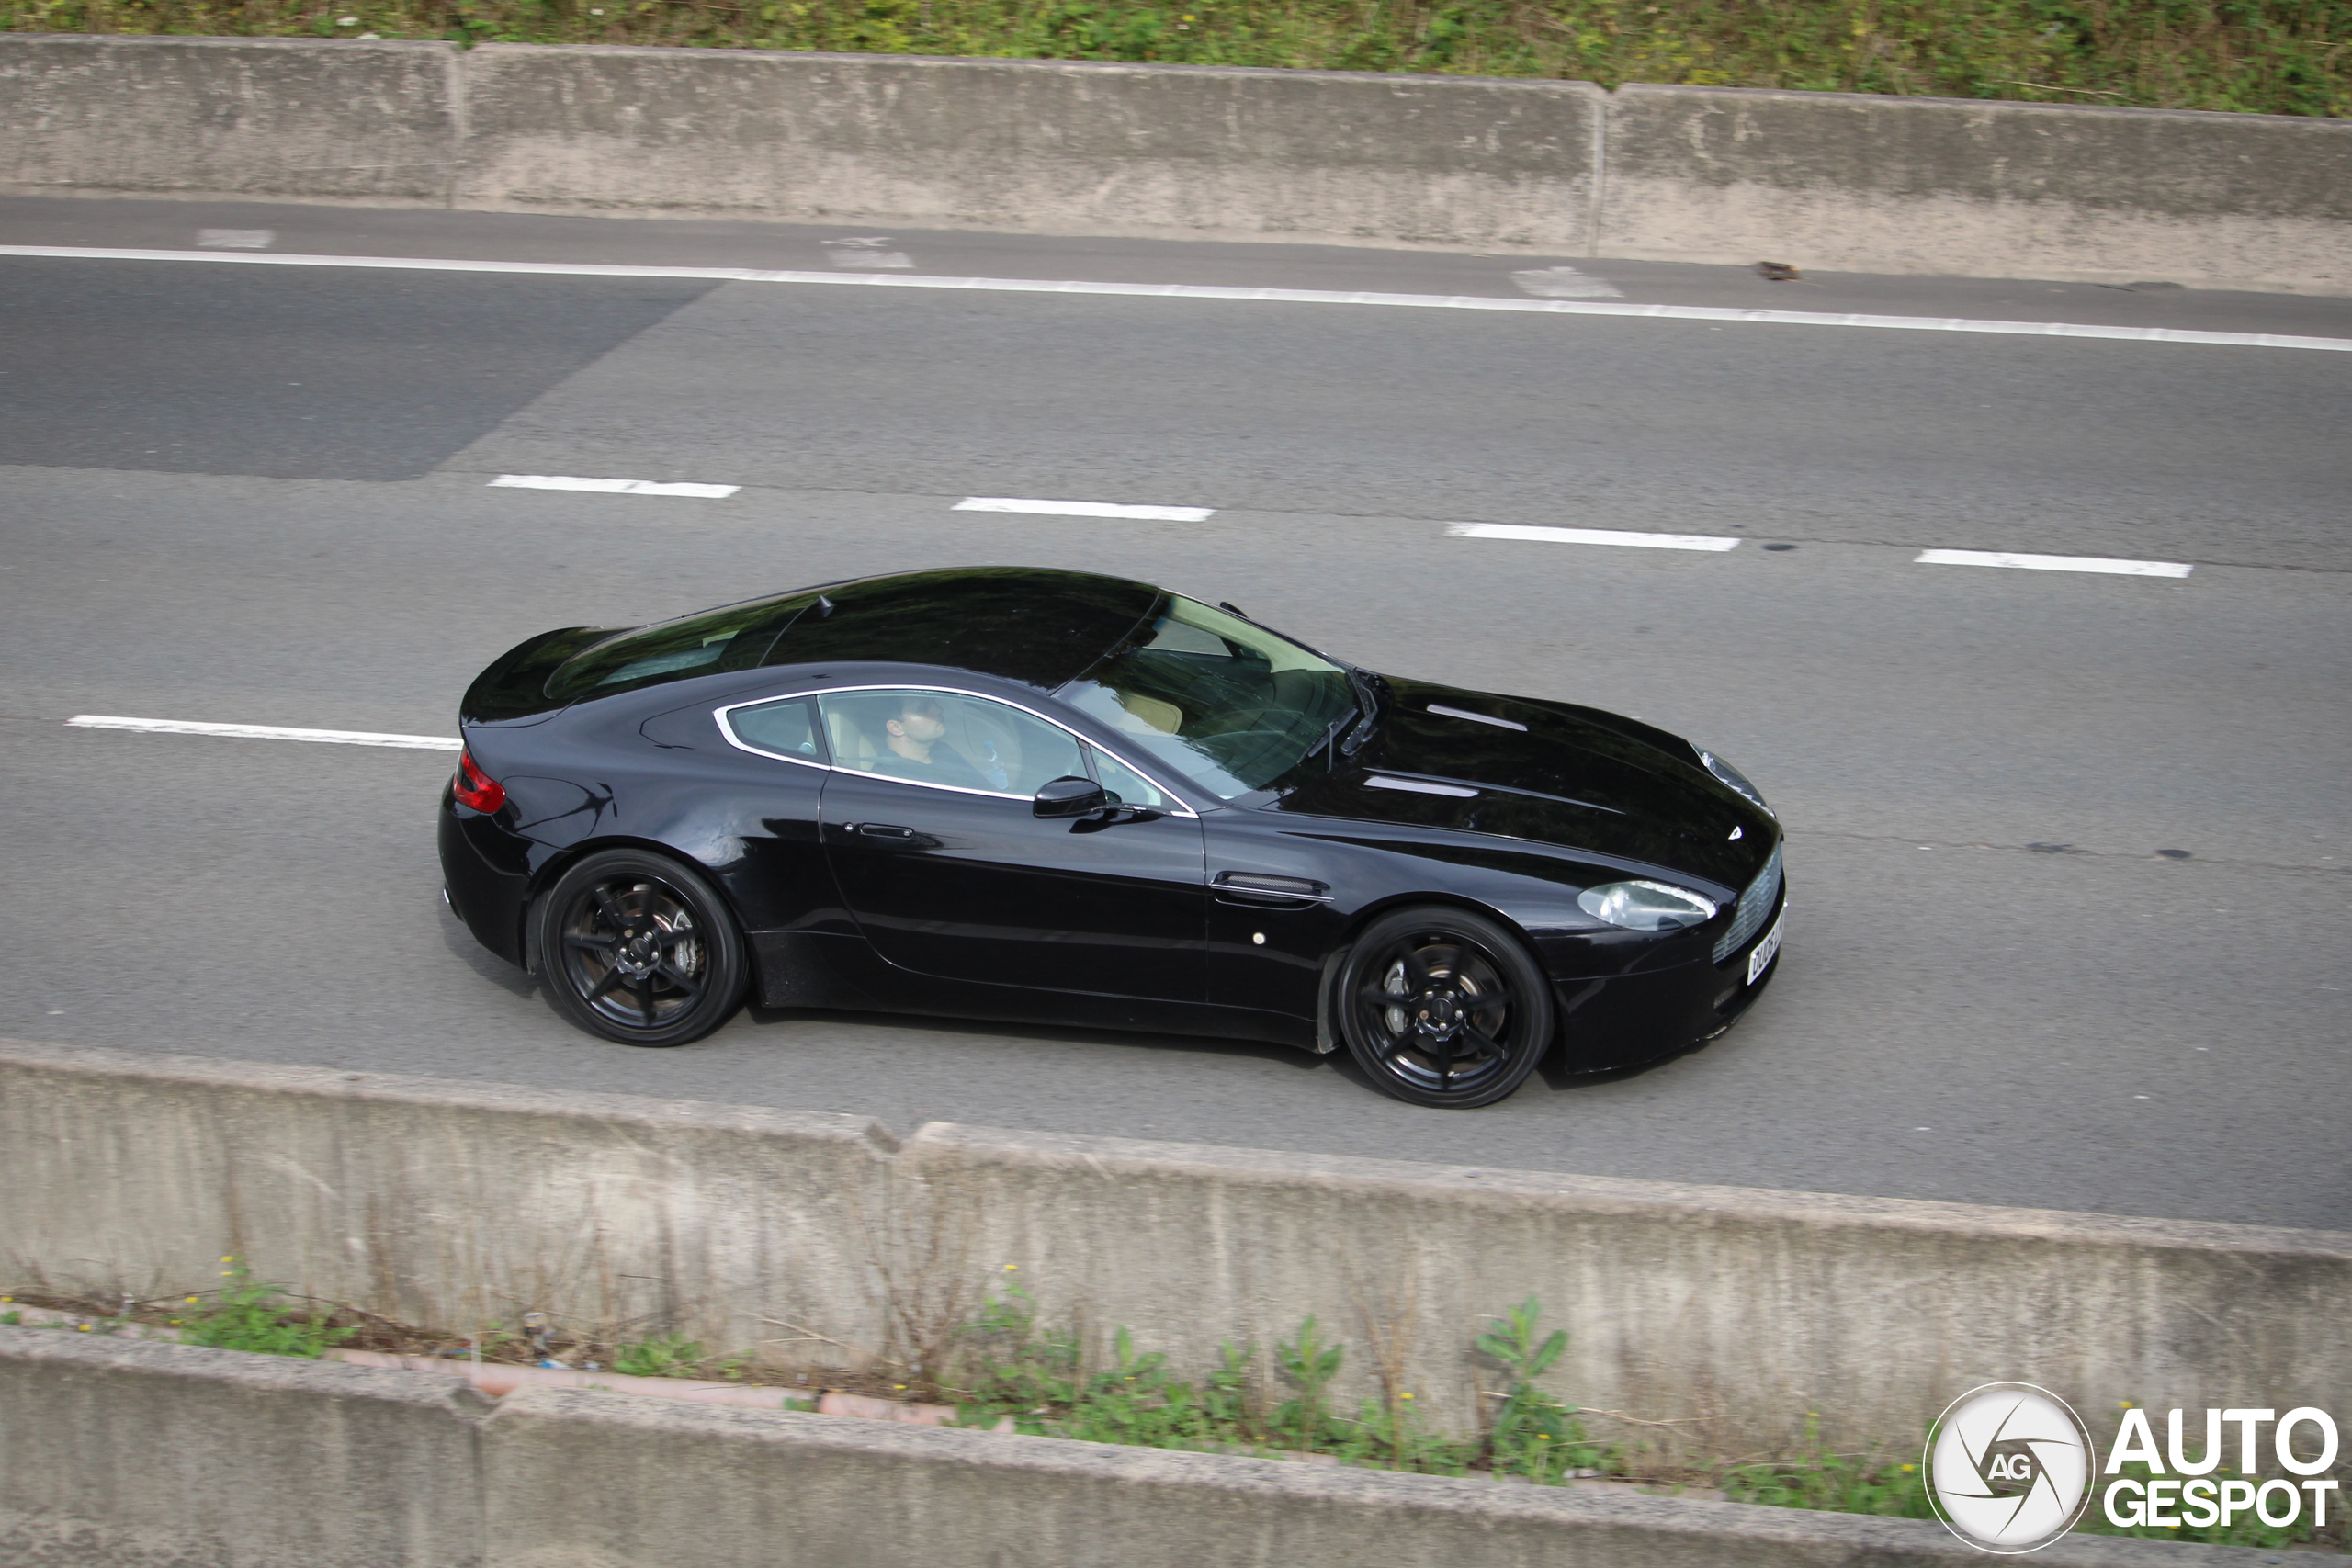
point(260, 494)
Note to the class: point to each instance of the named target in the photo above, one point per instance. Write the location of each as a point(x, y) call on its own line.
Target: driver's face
point(921, 726)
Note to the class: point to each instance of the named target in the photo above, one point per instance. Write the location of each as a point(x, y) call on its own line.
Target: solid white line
point(2052, 563)
point(1085, 508)
point(268, 732)
point(1591, 536)
point(1204, 291)
point(612, 487)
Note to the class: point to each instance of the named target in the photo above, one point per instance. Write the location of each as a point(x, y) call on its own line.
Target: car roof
point(1036, 626)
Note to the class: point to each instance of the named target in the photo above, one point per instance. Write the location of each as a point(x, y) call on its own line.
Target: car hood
point(1575, 777)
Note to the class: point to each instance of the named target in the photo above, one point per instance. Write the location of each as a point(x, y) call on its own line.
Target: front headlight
point(1733, 777)
point(1645, 906)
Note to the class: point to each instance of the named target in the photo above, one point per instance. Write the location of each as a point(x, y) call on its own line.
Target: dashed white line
point(871, 251)
point(266, 732)
point(1565, 283)
point(1591, 536)
point(613, 487)
point(235, 239)
point(1206, 291)
point(1086, 509)
point(2053, 563)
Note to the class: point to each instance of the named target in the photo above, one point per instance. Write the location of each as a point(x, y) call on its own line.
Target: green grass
point(248, 1314)
point(1016, 1369)
point(1890, 1483)
point(663, 1356)
point(1887, 1484)
point(2289, 57)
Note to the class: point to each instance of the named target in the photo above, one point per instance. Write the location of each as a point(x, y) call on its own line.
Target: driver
point(915, 745)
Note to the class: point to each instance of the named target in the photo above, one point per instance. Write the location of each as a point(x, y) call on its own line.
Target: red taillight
point(475, 788)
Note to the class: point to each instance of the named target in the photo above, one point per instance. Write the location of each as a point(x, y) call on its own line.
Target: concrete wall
point(132, 1455)
point(117, 1455)
point(1732, 1312)
point(1947, 186)
point(1718, 175)
point(360, 122)
point(1076, 147)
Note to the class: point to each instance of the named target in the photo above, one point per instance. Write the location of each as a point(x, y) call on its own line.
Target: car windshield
point(1230, 704)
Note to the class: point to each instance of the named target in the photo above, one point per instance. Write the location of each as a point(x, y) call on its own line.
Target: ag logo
point(2010, 1468)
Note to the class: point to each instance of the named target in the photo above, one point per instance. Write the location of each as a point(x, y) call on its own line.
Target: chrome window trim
point(1175, 808)
point(728, 729)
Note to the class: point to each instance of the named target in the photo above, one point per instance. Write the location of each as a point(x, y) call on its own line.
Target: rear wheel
point(1442, 1006)
point(637, 948)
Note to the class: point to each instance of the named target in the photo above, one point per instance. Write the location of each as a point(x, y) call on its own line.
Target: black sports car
point(1055, 798)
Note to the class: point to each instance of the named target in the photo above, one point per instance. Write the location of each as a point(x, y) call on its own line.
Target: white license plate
point(1760, 958)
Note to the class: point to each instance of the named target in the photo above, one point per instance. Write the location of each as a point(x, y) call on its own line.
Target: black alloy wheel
point(1442, 1006)
point(637, 948)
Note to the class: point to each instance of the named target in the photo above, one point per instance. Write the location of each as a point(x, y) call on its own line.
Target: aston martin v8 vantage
point(1050, 796)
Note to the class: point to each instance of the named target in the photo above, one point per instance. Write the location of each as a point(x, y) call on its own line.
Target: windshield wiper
point(1366, 711)
point(1368, 688)
point(1353, 715)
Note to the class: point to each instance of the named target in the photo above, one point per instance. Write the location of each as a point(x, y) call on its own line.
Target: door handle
point(886, 830)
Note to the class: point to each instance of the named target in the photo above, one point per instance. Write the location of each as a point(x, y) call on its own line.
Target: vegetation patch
point(2290, 57)
point(1005, 1370)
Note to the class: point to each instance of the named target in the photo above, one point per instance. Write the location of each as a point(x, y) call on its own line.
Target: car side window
point(1127, 787)
point(780, 728)
point(946, 739)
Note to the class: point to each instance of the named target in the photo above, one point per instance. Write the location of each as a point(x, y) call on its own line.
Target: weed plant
point(1894, 1486)
point(1531, 1433)
point(663, 1356)
point(248, 1314)
point(1833, 1482)
point(2260, 56)
point(1011, 1368)
point(1035, 1377)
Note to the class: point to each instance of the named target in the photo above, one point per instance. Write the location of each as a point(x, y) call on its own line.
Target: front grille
point(1754, 905)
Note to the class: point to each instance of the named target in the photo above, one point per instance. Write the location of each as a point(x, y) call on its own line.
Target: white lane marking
point(1085, 508)
point(1441, 709)
point(871, 251)
point(612, 487)
point(268, 732)
point(1565, 283)
point(1204, 291)
point(1591, 536)
point(236, 239)
point(2052, 563)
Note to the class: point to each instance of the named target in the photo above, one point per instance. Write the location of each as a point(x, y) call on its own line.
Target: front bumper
point(1627, 1019)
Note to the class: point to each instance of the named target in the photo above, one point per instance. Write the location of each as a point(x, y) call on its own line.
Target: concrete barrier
point(1733, 1313)
point(127, 1454)
point(1718, 175)
point(1073, 147)
point(124, 1455)
point(1947, 186)
point(377, 123)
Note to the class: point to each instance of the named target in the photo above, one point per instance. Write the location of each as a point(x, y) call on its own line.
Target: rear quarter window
point(784, 728)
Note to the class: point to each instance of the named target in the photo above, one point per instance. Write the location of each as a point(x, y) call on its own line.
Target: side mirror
point(1069, 796)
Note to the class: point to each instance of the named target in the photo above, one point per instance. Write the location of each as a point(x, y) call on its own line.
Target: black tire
point(637, 948)
point(1441, 1006)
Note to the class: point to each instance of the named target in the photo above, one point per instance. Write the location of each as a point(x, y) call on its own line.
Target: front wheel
point(1442, 1006)
point(638, 949)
